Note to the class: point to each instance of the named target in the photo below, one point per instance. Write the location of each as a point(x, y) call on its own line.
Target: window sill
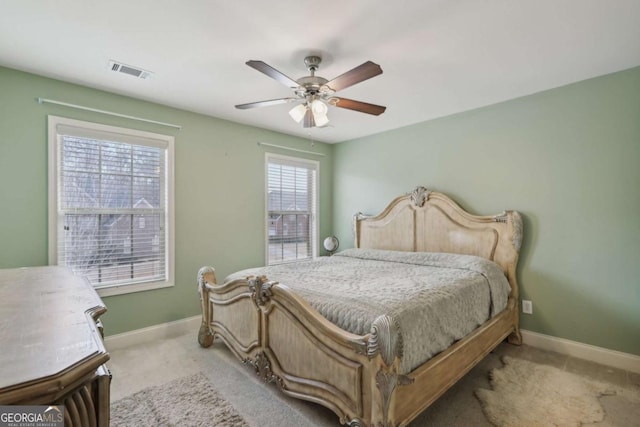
point(108, 291)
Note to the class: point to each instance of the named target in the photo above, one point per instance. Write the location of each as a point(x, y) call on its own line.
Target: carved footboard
point(290, 344)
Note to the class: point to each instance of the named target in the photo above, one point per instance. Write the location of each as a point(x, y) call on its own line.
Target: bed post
point(385, 348)
point(205, 275)
point(517, 233)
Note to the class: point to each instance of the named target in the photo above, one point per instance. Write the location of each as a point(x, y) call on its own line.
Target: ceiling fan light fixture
point(297, 113)
point(319, 107)
point(316, 93)
point(320, 119)
point(319, 110)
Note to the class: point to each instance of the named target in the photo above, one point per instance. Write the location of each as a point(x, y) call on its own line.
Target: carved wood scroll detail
point(201, 274)
point(387, 383)
point(419, 196)
point(262, 365)
point(385, 339)
point(260, 289)
point(516, 221)
point(81, 407)
point(359, 216)
point(501, 217)
point(360, 346)
point(205, 336)
point(518, 230)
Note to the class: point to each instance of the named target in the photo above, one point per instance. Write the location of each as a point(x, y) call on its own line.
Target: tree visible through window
point(112, 205)
point(291, 209)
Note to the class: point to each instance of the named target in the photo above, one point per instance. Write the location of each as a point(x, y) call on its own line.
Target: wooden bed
point(270, 327)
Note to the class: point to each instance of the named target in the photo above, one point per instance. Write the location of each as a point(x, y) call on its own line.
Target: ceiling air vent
point(119, 67)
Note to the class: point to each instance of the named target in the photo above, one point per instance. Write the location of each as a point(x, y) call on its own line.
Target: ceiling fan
point(317, 92)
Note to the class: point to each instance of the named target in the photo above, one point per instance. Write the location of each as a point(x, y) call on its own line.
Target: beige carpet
point(524, 393)
point(263, 405)
point(187, 401)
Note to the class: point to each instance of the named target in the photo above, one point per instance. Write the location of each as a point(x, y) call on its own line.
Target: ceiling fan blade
point(308, 121)
point(360, 73)
point(360, 106)
point(266, 103)
point(273, 73)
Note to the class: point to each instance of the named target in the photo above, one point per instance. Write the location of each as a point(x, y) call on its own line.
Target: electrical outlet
point(527, 306)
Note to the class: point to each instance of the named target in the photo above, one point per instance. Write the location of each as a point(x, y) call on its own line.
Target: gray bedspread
point(436, 298)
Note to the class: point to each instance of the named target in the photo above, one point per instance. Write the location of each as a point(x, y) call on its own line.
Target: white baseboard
point(161, 331)
point(615, 359)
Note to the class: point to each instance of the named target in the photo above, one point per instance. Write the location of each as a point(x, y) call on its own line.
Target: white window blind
point(112, 205)
point(291, 209)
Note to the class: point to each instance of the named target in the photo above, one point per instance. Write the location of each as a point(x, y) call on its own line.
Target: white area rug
point(188, 401)
point(529, 394)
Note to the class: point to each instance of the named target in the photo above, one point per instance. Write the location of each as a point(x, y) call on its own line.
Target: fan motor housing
point(311, 84)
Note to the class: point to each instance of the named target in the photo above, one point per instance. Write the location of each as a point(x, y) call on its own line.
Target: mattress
point(435, 298)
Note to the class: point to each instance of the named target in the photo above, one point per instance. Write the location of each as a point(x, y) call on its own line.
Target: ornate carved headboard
point(427, 221)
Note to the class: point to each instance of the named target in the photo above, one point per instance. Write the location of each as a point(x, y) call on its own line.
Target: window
point(291, 209)
point(111, 205)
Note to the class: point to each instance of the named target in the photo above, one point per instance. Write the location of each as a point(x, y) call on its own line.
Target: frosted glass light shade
point(319, 110)
point(320, 119)
point(297, 113)
point(319, 107)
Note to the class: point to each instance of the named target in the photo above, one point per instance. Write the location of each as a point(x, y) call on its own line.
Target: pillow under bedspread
point(436, 298)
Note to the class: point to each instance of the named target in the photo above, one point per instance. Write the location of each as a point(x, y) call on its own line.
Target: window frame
point(55, 217)
point(315, 216)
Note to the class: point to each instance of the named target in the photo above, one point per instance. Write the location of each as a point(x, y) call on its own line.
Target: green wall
point(568, 159)
point(219, 189)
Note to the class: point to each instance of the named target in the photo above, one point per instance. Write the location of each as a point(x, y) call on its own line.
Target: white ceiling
point(439, 57)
